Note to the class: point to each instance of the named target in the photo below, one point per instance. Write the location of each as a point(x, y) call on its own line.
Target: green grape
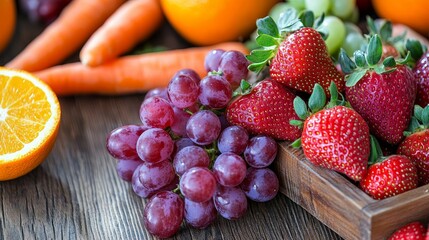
point(278, 9)
point(353, 41)
point(298, 4)
point(318, 6)
point(336, 33)
point(354, 17)
point(343, 8)
point(351, 27)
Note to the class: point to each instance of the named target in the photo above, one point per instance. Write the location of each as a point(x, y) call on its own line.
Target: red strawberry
point(394, 175)
point(414, 230)
point(297, 54)
point(416, 145)
point(427, 233)
point(267, 109)
point(336, 138)
point(385, 101)
point(421, 73)
point(302, 60)
point(383, 94)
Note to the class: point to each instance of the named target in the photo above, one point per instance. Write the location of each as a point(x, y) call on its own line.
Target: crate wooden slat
point(340, 204)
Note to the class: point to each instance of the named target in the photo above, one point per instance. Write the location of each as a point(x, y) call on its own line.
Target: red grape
point(198, 184)
point(212, 60)
point(44, 11)
point(229, 169)
point(233, 66)
point(157, 92)
point(203, 127)
point(260, 152)
point(181, 117)
point(233, 139)
point(138, 187)
point(154, 145)
point(145, 192)
point(190, 73)
point(163, 214)
point(260, 184)
point(183, 91)
point(215, 91)
point(230, 202)
point(188, 157)
point(182, 143)
point(121, 142)
point(155, 175)
point(126, 168)
point(156, 112)
point(223, 121)
point(200, 214)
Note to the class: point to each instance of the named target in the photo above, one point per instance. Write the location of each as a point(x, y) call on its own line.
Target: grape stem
point(173, 135)
point(213, 152)
point(177, 190)
point(188, 111)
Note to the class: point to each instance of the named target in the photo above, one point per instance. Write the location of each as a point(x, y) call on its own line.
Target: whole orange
point(7, 22)
point(206, 22)
point(413, 13)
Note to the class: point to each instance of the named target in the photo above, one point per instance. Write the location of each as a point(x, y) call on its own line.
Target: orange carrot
point(134, 21)
point(65, 35)
point(129, 74)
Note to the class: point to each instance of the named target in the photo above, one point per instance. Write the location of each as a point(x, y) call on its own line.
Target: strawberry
point(416, 145)
point(389, 176)
point(267, 109)
point(413, 230)
point(383, 94)
point(296, 53)
point(335, 137)
point(421, 73)
point(427, 233)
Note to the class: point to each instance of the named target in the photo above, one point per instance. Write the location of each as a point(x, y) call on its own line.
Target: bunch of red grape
point(186, 158)
point(44, 11)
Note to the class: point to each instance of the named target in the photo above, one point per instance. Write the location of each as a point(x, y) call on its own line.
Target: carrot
point(65, 35)
point(131, 23)
point(129, 74)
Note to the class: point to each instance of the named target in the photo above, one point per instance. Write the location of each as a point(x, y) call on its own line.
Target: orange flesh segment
point(23, 114)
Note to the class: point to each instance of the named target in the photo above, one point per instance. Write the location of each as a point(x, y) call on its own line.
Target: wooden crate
point(340, 204)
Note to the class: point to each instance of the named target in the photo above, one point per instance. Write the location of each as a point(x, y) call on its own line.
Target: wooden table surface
point(76, 194)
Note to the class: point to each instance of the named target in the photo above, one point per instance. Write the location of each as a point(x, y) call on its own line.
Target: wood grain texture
point(341, 205)
point(75, 193)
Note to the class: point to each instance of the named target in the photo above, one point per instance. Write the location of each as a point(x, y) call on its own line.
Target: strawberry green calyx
point(420, 120)
point(384, 30)
point(416, 49)
point(244, 89)
point(376, 154)
point(271, 34)
point(399, 44)
point(316, 103)
point(368, 60)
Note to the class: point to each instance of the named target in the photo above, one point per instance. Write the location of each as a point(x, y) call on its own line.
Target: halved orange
point(29, 122)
